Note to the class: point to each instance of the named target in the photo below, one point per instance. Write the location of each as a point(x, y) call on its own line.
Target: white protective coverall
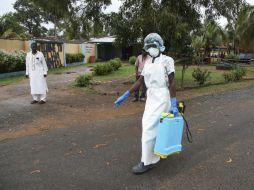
point(158, 101)
point(36, 68)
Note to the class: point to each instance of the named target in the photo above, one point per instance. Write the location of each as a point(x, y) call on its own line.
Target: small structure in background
point(52, 50)
point(106, 49)
point(218, 53)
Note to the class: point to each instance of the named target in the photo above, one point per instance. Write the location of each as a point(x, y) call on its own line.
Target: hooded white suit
point(158, 96)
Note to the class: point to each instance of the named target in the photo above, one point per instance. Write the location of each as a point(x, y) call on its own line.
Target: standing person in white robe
point(36, 71)
point(158, 74)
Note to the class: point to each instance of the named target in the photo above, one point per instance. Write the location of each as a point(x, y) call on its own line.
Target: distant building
point(106, 49)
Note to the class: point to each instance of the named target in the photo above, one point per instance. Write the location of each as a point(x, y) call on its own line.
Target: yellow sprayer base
point(165, 156)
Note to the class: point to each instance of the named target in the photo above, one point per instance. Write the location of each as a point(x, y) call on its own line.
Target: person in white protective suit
point(36, 71)
point(158, 75)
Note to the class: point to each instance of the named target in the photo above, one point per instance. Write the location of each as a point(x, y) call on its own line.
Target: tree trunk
point(183, 72)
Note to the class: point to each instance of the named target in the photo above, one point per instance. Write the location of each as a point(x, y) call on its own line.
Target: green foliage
point(84, 80)
point(244, 28)
point(74, 58)
point(201, 76)
point(132, 60)
point(103, 69)
point(228, 77)
point(212, 35)
point(76, 18)
point(173, 20)
point(235, 75)
point(198, 45)
point(107, 68)
point(239, 73)
point(14, 61)
point(31, 17)
point(232, 56)
point(10, 27)
point(115, 63)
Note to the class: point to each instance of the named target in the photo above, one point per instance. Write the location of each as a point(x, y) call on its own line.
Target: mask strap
point(156, 57)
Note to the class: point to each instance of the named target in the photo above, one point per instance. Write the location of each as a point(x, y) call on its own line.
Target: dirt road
point(78, 140)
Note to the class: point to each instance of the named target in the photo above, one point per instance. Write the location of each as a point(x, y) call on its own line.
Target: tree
point(30, 17)
point(198, 45)
point(9, 27)
point(212, 35)
point(93, 11)
point(55, 11)
point(245, 28)
point(231, 11)
point(173, 20)
point(76, 18)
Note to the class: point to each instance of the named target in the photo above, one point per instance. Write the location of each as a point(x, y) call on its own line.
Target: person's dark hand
point(45, 76)
point(27, 76)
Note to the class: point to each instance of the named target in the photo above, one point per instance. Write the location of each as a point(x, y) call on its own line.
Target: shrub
point(132, 60)
point(201, 76)
point(74, 58)
point(239, 73)
point(115, 63)
point(118, 60)
point(228, 77)
point(13, 61)
point(84, 80)
point(103, 69)
point(232, 56)
point(235, 75)
point(197, 59)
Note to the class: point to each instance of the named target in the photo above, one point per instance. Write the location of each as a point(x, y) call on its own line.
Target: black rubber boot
point(34, 102)
point(140, 168)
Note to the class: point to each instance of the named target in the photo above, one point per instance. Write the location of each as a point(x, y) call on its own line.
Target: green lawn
point(215, 76)
point(128, 70)
point(10, 80)
point(216, 81)
point(250, 70)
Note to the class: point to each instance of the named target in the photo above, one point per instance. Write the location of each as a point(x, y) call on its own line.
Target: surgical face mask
point(154, 52)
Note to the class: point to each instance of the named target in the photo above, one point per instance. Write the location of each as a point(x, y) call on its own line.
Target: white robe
point(36, 68)
point(158, 101)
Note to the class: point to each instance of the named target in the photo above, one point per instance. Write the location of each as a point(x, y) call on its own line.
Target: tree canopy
point(177, 21)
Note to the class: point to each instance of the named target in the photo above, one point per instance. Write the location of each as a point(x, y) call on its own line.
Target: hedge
point(84, 80)
point(132, 60)
point(107, 68)
point(115, 63)
point(13, 61)
point(235, 75)
point(74, 58)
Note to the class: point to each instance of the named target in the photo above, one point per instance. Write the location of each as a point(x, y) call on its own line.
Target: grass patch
point(250, 71)
point(11, 80)
point(60, 70)
point(225, 86)
point(215, 76)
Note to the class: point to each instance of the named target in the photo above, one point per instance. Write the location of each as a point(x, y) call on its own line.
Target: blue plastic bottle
point(169, 135)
